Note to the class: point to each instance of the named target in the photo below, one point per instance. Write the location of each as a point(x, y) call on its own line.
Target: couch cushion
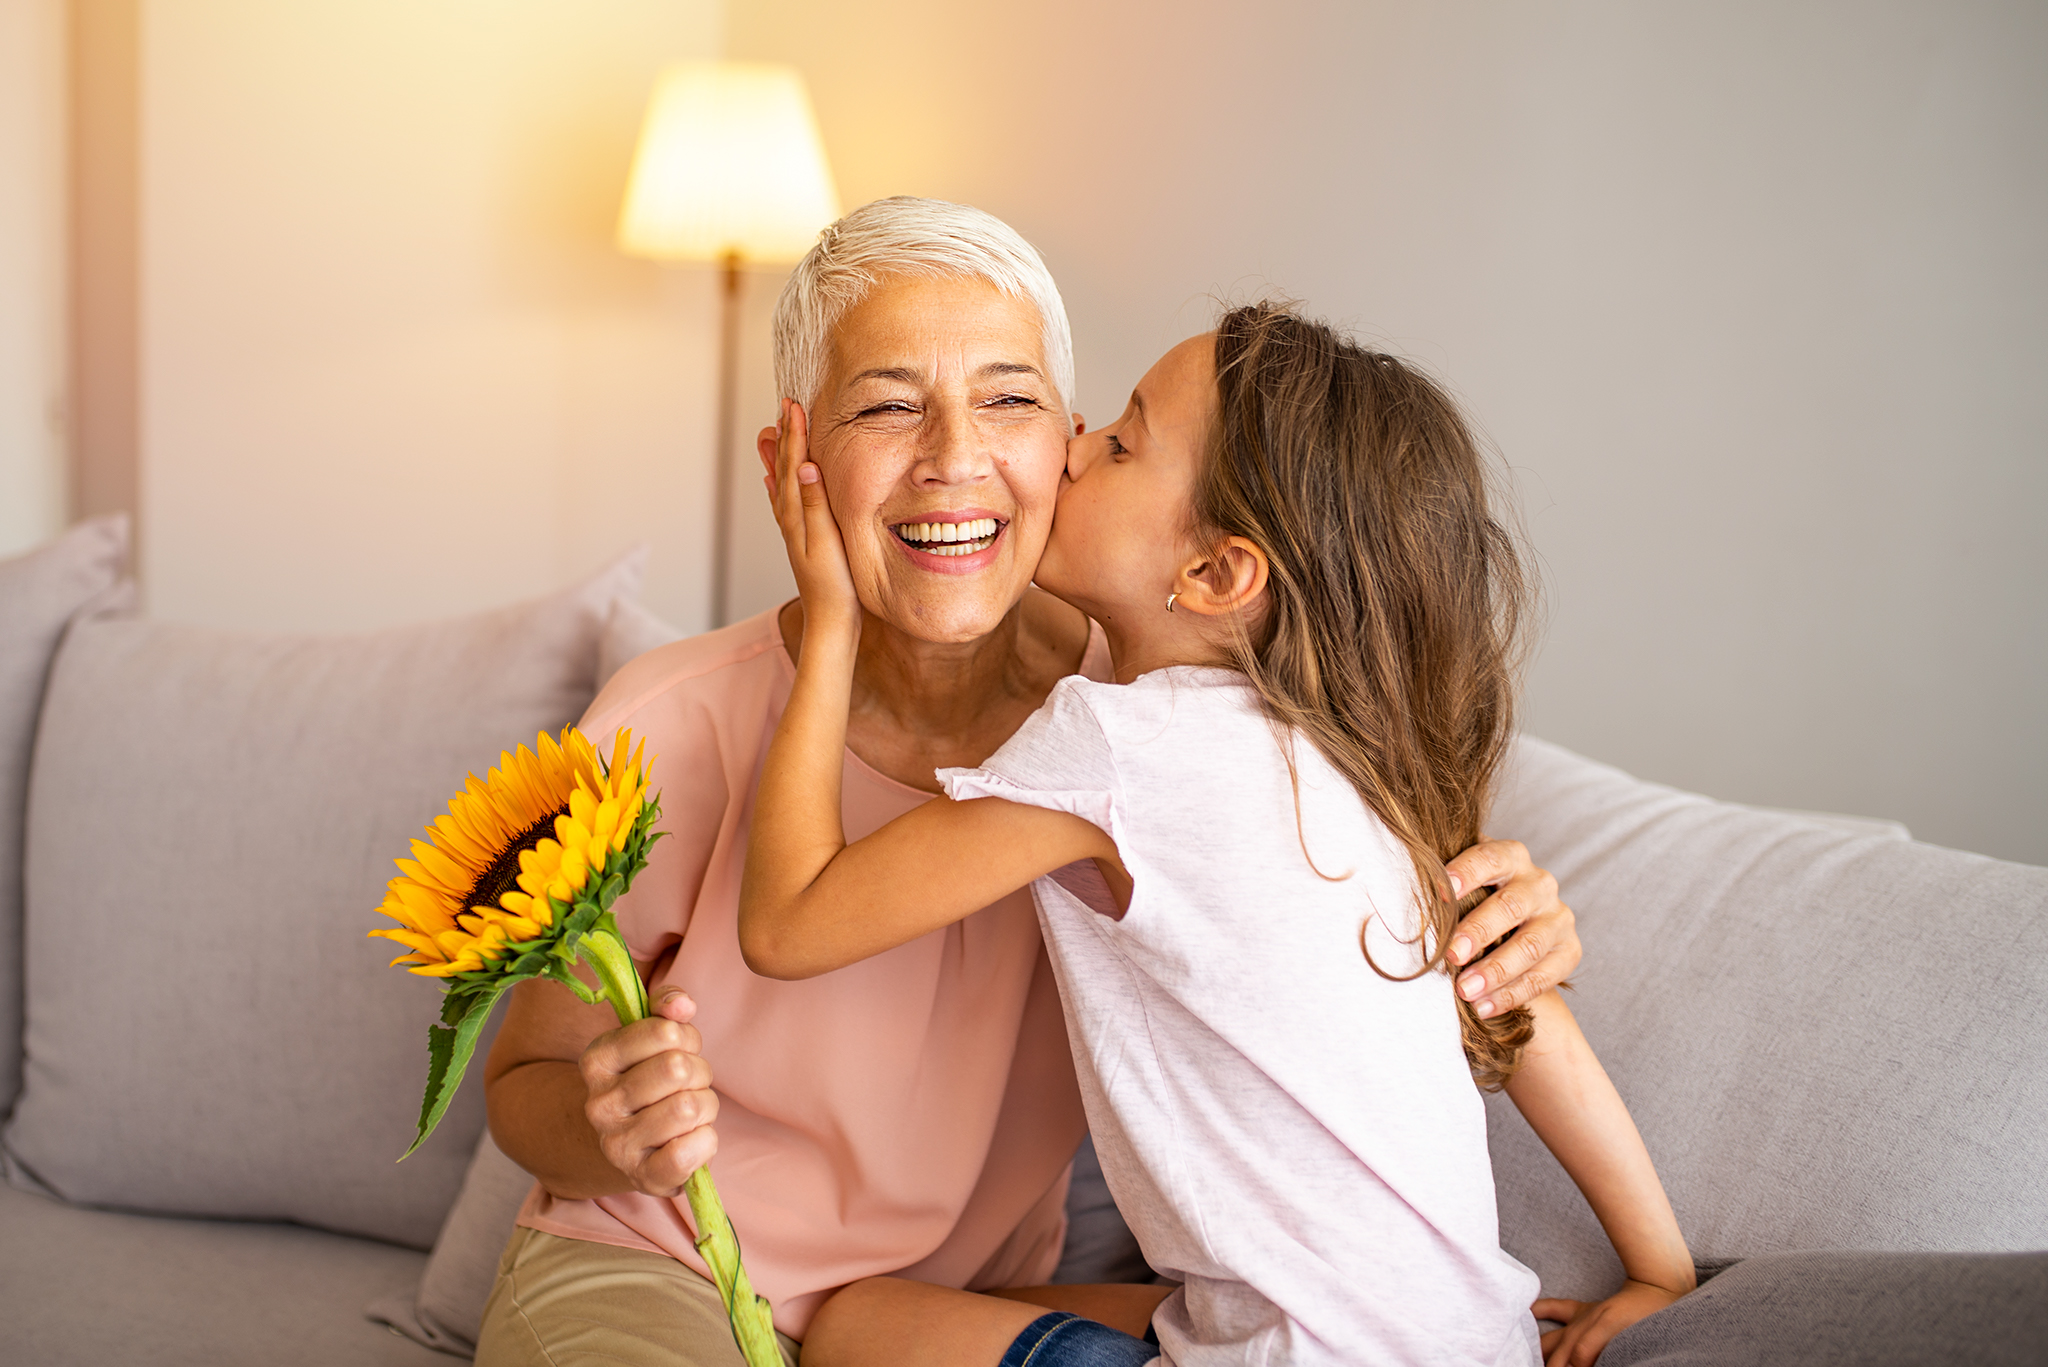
point(212, 818)
point(82, 1288)
point(1852, 1310)
point(1829, 1038)
point(39, 594)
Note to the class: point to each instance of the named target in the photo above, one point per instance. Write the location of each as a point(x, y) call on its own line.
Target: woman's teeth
point(950, 538)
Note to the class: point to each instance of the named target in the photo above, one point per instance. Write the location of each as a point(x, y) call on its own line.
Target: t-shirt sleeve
point(1060, 758)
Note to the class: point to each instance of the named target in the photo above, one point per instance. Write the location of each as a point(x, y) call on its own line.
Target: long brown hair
point(1391, 632)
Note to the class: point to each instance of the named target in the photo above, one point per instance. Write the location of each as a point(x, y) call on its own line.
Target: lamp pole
point(728, 416)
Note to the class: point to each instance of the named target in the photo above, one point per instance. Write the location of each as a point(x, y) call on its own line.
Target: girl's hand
point(1545, 946)
point(809, 531)
point(1589, 1325)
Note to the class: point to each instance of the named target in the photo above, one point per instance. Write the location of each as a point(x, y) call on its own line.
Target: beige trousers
point(571, 1303)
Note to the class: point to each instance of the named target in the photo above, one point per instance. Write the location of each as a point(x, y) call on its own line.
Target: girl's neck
point(1139, 646)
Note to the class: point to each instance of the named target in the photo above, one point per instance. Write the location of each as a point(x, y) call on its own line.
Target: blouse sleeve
point(1060, 758)
point(688, 770)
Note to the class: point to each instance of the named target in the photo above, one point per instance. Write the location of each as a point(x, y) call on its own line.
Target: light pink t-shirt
point(913, 1114)
point(1292, 1137)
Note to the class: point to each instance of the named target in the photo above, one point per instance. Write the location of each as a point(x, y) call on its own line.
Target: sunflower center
point(503, 874)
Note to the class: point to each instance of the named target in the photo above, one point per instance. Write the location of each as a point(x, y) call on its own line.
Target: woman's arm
point(810, 902)
point(1565, 1095)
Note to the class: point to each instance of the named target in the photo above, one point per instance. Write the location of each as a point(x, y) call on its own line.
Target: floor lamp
point(730, 169)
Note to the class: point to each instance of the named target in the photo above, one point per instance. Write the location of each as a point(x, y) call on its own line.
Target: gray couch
point(1828, 1033)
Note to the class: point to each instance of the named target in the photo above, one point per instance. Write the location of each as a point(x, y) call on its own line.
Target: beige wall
point(1752, 296)
point(392, 365)
point(31, 271)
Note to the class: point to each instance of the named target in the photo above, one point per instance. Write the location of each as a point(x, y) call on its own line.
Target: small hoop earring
point(1169, 599)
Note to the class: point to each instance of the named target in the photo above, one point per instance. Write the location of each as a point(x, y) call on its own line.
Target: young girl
point(1235, 850)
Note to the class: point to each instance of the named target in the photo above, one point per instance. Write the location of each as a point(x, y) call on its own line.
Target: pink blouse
point(914, 1114)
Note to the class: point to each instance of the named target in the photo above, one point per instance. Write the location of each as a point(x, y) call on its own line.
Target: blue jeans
point(1063, 1340)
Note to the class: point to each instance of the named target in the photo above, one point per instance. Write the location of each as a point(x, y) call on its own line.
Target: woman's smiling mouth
point(951, 539)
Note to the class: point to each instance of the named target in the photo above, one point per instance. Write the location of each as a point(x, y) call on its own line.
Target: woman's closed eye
point(1116, 447)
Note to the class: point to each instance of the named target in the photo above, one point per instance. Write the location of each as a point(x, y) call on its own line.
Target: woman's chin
point(950, 609)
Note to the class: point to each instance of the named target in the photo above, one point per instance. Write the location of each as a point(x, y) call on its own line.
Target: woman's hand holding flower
point(650, 1098)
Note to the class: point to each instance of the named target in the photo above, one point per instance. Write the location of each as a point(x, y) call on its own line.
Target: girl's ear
point(1230, 580)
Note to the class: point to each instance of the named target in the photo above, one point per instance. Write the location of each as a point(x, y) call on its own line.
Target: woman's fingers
point(1488, 864)
point(650, 1099)
point(668, 1167)
point(1541, 947)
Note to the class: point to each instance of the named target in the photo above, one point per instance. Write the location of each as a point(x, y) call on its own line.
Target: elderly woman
point(915, 1114)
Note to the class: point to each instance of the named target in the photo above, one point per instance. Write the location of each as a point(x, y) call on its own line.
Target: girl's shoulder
point(1179, 693)
point(1183, 710)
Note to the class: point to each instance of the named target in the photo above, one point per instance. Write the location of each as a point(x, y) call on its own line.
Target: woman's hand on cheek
point(1590, 1325)
point(817, 555)
point(1544, 946)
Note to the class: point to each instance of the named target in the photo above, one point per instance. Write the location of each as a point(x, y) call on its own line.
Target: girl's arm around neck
point(810, 902)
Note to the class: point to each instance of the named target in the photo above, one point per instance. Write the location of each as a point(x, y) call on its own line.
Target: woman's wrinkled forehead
point(927, 331)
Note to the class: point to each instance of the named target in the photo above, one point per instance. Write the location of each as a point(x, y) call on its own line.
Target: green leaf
point(448, 1054)
point(609, 893)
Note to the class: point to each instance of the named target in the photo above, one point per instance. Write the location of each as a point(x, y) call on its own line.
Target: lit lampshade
point(730, 164)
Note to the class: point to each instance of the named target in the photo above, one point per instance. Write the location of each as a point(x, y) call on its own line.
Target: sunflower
point(516, 881)
point(510, 846)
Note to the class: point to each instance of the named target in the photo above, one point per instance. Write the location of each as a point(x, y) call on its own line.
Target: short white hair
point(915, 237)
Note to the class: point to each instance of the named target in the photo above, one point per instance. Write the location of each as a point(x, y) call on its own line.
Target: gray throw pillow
point(40, 593)
point(630, 632)
point(1828, 1036)
point(212, 818)
point(447, 1309)
point(1852, 1310)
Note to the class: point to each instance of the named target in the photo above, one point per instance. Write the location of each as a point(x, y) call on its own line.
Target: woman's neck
point(921, 705)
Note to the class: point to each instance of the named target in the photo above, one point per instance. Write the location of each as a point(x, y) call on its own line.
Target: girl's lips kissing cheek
point(952, 542)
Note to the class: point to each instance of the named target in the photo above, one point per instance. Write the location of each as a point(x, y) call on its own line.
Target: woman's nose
point(952, 454)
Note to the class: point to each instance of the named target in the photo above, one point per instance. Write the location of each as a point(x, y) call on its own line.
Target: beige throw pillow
point(212, 818)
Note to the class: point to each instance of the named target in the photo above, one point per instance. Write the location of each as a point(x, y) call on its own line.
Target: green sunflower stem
point(752, 1319)
point(604, 949)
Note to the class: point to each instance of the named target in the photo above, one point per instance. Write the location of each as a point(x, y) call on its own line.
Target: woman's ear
point(1230, 580)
